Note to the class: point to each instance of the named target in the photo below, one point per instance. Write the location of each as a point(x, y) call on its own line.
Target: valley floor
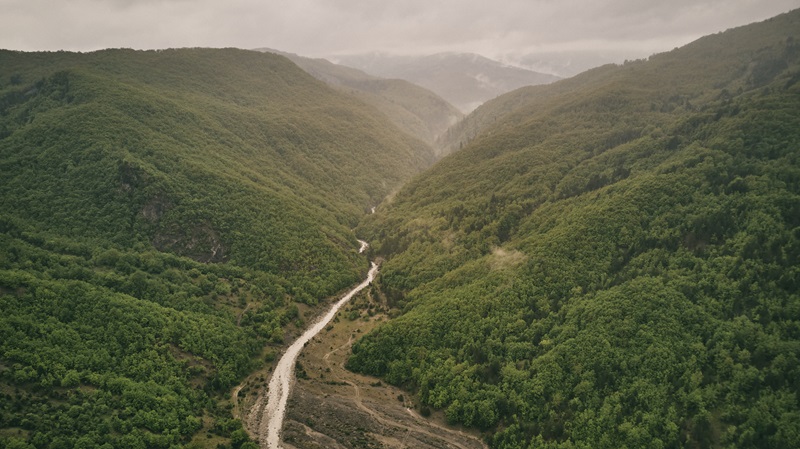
point(331, 407)
point(335, 408)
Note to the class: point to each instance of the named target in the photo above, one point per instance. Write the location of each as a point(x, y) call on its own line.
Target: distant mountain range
point(466, 80)
point(568, 63)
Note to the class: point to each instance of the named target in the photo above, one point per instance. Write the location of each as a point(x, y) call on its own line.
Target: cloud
point(324, 27)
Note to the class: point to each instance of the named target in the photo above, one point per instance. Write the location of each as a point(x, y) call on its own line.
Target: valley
point(609, 260)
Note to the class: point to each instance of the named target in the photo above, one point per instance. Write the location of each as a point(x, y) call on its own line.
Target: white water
point(283, 375)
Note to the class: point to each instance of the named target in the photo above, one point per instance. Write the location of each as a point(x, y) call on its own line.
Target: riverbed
point(279, 389)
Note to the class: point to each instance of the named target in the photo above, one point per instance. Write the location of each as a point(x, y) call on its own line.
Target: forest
point(166, 215)
point(608, 261)
point(612, 260)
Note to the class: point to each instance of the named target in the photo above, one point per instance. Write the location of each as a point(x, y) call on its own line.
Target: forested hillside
point(413, 109)
point(162, 214)
point(612, 260)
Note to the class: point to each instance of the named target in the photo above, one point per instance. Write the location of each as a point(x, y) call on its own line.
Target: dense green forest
point(612, 260)
point(163, 214)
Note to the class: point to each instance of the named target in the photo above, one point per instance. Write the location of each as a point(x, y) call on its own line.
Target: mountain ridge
point(465, 80)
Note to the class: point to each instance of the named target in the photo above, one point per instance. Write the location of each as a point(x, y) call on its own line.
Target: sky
point(319, 28)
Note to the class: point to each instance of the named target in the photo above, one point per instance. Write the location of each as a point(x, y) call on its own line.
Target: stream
point(269, 429)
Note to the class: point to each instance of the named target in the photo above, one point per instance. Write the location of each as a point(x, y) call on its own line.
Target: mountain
point(415, 110)
point(568, 63)
point(611, 261)
point(167, 214)
point(465, 80)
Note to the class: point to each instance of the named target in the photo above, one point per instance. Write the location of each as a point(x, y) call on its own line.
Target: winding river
point(280, 384)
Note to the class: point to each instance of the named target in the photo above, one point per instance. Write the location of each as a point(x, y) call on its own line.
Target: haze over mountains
point(465, 80)
point(609, 260)
point(568, 63)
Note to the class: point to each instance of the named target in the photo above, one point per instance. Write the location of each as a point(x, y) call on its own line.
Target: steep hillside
point(464, 80)
point(162, 214)
point(415, 110)
point(613, 261)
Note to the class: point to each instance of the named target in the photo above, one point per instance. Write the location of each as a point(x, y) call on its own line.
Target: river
point(280, 384)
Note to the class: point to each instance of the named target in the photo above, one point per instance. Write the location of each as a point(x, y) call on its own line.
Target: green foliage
point(99, 346)
point(186, 149)
point(614, 262)
point(162, 213)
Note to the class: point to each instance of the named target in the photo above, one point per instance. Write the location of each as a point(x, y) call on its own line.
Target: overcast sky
point(329, 27)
